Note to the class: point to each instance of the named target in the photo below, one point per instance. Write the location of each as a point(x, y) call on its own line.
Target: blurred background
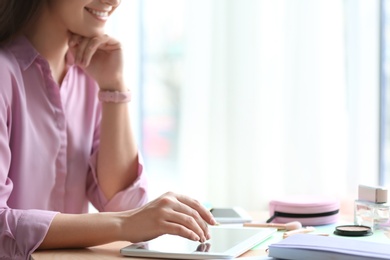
point(240, 102)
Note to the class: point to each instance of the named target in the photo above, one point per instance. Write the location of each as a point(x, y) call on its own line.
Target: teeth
point(98, 13)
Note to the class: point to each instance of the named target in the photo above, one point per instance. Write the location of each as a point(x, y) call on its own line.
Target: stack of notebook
point(304, 247)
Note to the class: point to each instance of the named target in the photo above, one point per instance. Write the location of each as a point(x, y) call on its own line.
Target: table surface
point(107, 251)
point(112, 250)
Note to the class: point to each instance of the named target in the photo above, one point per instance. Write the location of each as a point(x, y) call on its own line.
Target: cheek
point(72, 16)
point(84, 25)
point(71, 19)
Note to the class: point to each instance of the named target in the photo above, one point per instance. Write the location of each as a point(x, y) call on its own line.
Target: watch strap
point(114, 96)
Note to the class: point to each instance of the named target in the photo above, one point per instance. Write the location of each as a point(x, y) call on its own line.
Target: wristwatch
point(114, 96)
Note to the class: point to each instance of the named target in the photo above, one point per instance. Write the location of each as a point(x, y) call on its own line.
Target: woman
point(66, 138)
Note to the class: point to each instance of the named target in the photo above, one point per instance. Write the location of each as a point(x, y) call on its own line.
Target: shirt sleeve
point(132, 197)
point(21, 231)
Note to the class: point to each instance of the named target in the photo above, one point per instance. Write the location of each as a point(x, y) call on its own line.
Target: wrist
point(116, 223)
point(115, 85)
point(122, 219)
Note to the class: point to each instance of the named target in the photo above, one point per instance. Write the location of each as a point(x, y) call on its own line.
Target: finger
point(90, 49)
point(86, 49)
point(109, 44)
point(177, 212)
point(187, 222)
point(174, 228)
point(74, 40)
point(203, 212)
point(104, 43)
point(80, 49)
point(191, 219)
point(194, 209)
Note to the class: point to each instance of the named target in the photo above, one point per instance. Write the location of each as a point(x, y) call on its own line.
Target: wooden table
point(112, 250)
point(107, 251)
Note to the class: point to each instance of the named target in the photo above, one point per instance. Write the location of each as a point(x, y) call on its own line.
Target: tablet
point(226, 242)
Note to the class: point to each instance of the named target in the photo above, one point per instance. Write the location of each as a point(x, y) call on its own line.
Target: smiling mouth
point(102, 15)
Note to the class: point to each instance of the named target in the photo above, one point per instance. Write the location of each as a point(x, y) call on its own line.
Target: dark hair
point(15, 15)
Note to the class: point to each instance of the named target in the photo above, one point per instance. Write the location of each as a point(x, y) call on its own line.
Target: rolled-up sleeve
point(132, 197)
point(22, 231)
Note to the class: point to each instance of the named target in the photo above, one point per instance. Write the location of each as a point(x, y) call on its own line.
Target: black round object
point(353, 231)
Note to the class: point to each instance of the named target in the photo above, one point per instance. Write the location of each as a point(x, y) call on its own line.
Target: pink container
point(309, 210)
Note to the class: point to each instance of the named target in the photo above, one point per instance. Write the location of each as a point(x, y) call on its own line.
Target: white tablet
point(226, 242)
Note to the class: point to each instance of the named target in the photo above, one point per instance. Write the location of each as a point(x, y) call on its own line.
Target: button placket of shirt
point(54, 94)
point(58, 192)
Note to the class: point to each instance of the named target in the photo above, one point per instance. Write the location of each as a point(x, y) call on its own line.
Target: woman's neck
point(51, 41)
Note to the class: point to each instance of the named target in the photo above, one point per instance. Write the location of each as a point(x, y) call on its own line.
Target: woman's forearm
point(117, 165)
point(168, 214)
point(82, 230)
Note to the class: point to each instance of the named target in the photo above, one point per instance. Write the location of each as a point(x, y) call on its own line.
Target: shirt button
point(60, 124)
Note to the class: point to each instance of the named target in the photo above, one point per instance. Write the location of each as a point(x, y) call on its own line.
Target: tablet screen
point(225, 242)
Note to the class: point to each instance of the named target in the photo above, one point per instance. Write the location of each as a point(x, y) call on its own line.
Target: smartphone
point(230, 215)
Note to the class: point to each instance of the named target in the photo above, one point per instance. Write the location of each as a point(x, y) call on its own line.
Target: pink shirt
point(49, 139)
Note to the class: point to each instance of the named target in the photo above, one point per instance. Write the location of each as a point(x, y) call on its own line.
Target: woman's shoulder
point(9, 71)
point(8, 63)
point(17, 54)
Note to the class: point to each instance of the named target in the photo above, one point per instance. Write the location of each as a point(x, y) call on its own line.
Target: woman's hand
point(101, 57)
point(169, 214)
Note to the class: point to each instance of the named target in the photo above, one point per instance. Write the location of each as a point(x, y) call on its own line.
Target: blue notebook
point(306, 246)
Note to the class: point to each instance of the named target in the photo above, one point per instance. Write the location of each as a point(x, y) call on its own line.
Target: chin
point(91, 33)
point(96, 34)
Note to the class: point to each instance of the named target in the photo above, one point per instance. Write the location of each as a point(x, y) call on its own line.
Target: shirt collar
point(23, 51)
point(26, 54)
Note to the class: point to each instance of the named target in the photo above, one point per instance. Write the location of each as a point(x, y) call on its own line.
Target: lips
point(101, 15)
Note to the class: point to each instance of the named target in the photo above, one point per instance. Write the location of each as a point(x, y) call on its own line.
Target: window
point(162, 25)
point(385, 94)
point(240, 102)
